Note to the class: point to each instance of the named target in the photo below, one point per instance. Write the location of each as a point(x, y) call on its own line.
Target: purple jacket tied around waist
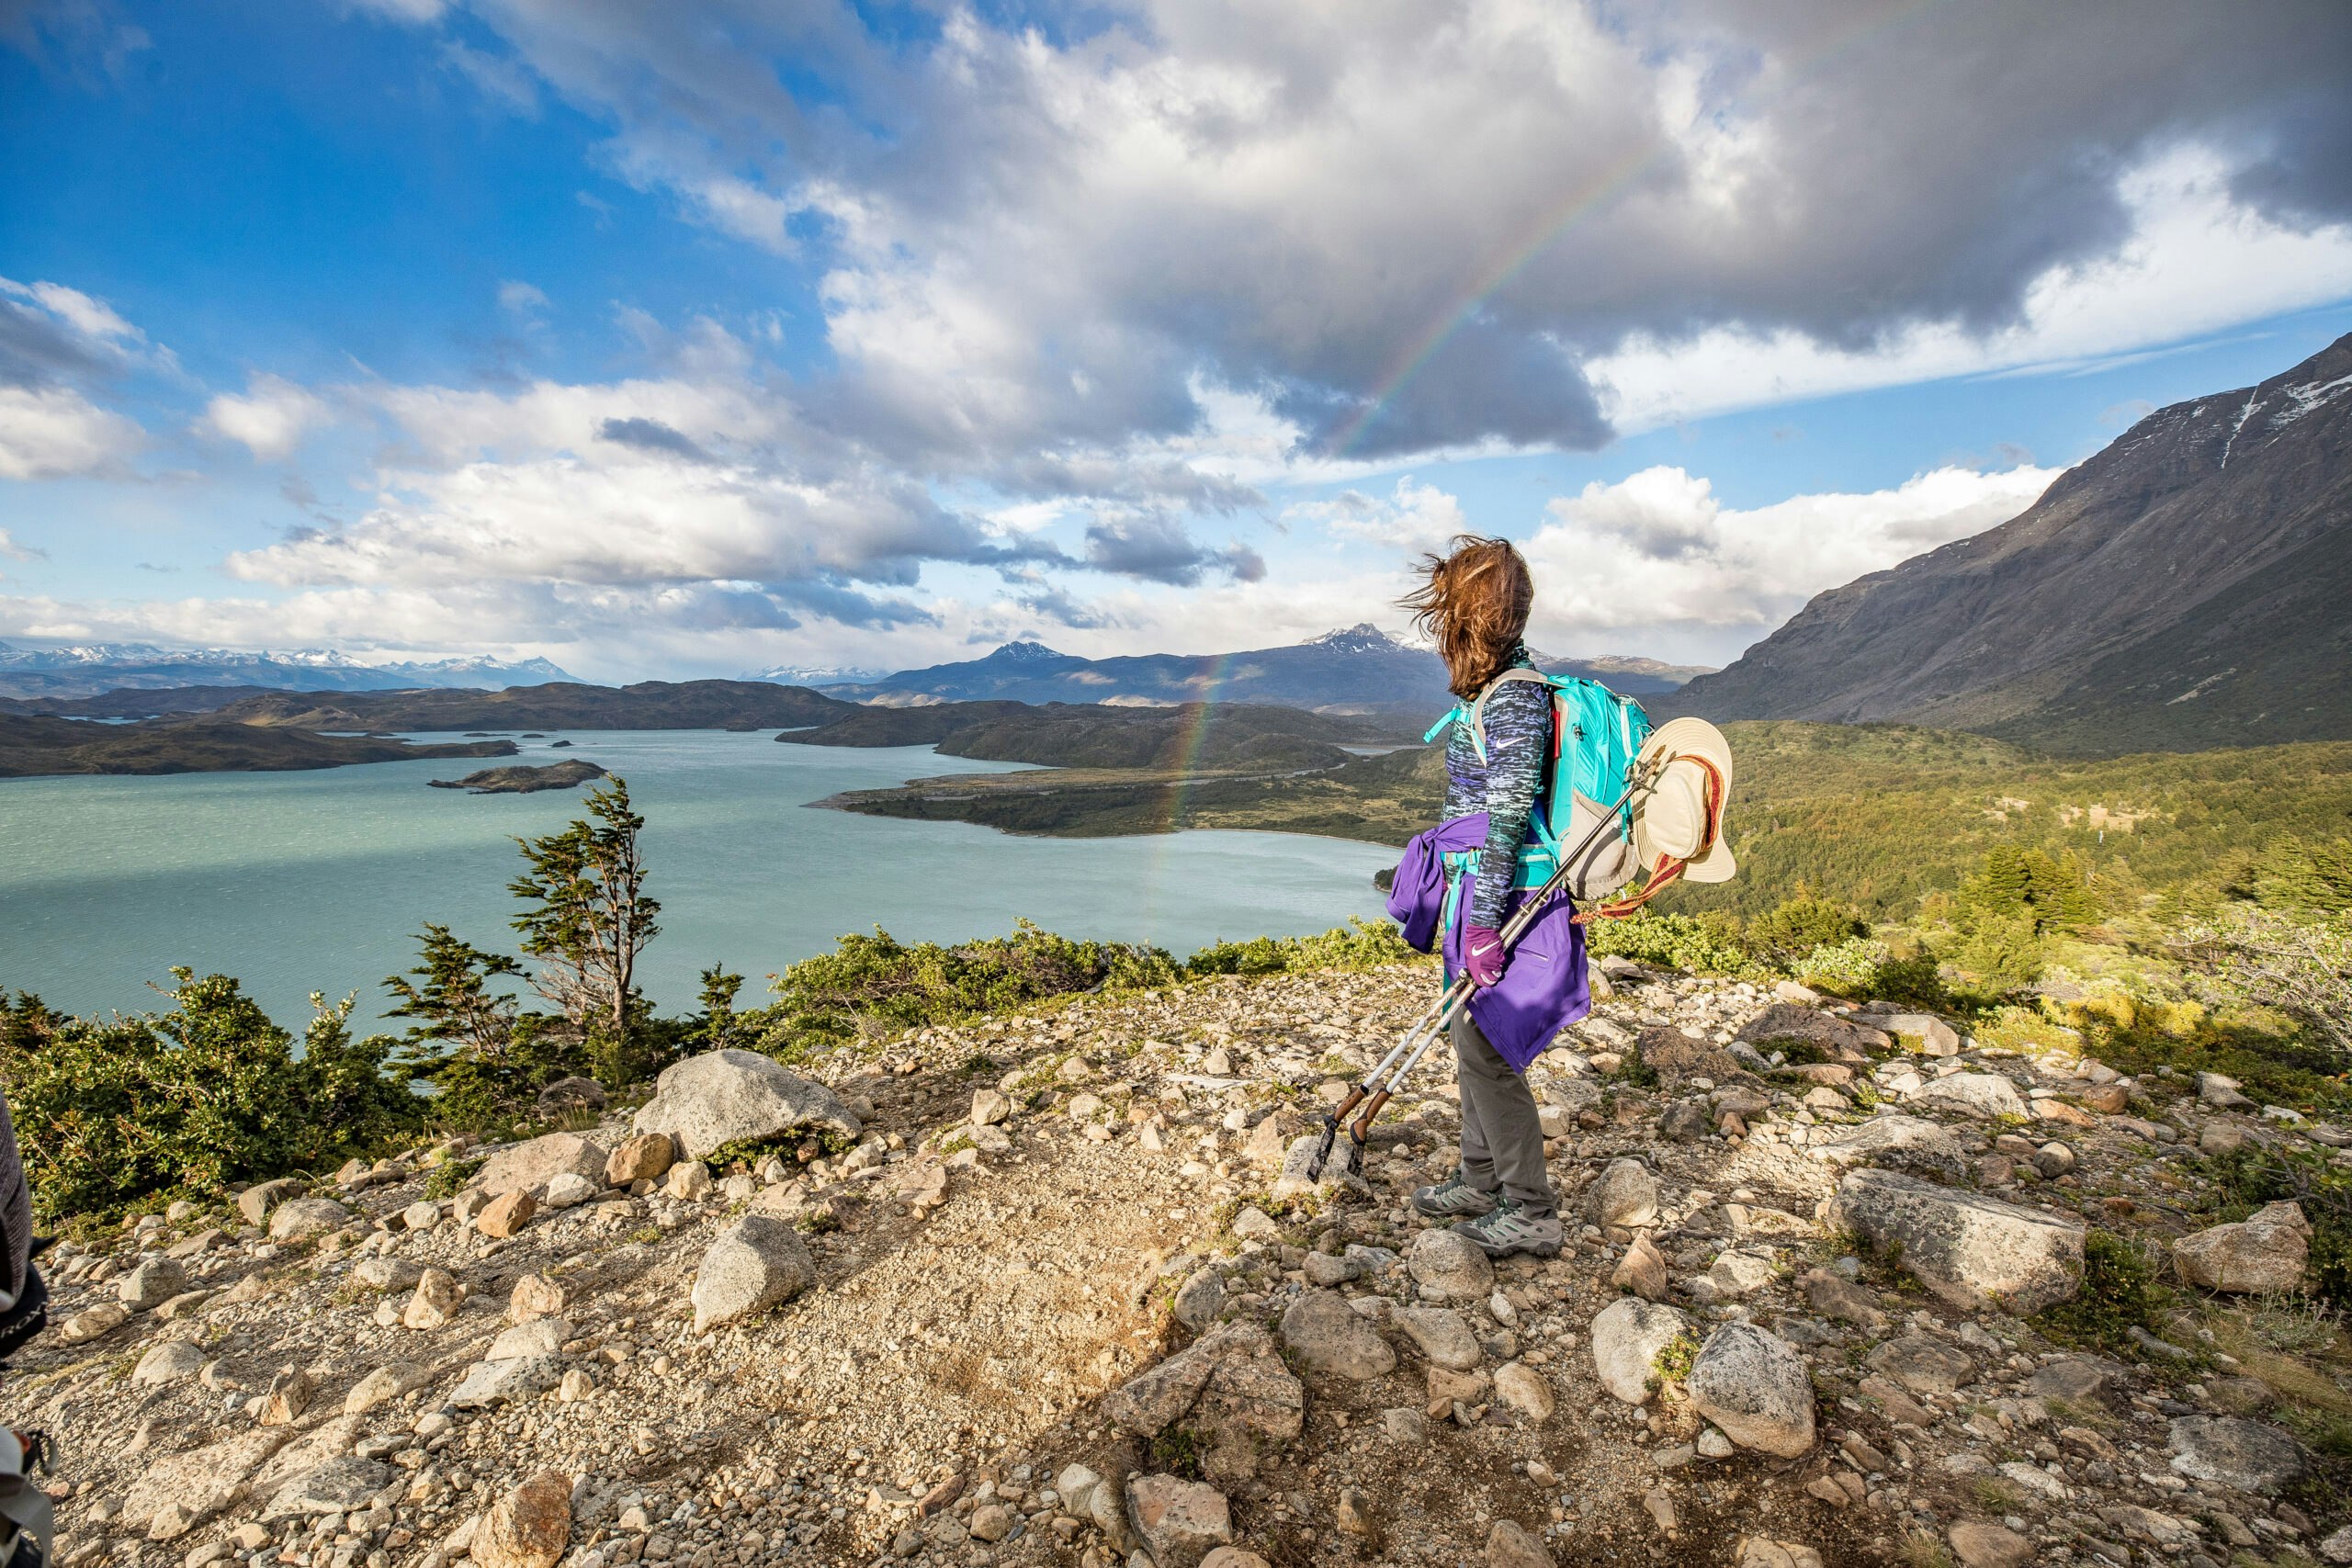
point(1543, 991)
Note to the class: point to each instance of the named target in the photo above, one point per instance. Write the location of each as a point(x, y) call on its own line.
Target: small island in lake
point(523, 780)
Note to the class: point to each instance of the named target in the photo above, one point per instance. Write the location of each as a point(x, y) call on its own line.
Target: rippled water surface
point(316, 881)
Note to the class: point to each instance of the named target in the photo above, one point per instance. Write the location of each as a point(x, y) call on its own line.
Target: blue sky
point(708, 337)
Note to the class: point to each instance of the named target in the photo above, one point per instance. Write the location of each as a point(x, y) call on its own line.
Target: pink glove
point(1482, 955)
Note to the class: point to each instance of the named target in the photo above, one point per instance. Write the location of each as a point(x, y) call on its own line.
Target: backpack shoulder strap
point(1478, 707)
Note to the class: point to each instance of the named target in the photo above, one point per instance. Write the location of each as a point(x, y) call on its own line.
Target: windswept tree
point(722, 1026)
point(451, 998)
point(586, 917)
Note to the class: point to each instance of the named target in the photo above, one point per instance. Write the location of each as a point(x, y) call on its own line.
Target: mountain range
point(1360, 670)
point(92, 668)
point(2188, 586)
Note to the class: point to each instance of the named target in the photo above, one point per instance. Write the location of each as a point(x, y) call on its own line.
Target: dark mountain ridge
point(1197, 736)
point(2188, 586)
point(649, 704)
point(1360, 670)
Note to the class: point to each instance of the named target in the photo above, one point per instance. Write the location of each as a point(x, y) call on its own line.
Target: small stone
point(386, 1274)
point(529, 1527)
point(89, 1325)
point(757, 1263)
point(305, 1217)
point(1354, 1514)
point(173, 1360)
point(1625, 1193)
point(154, 1281)
point(1200, 1299)
point(688, 1181)
point(1980, 1545)
point(1757, 1388)
point(1178, 1522)
point(1326, 1335)
point(568, 1190)
point(383, 1385)
point(534, 1296)
point(1510, 1546)
point(1626, 1340)
point(1713, 1444)
point(641, 1157)
point(506, 1214)
point(1448, 1262)
point(1441, 1335)
point(991, 1522)
point(2261, 1255)
point(288, 1397)
point(1524, 1389)
point(1642, 1271)
point(433, 1302)
point(1756, 1551)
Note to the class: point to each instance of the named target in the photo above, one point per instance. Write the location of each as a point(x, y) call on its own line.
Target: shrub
point(1802, 925)
point(2300, 970)
point(111, 1113)
point(878, 983)
point(1848, 968)
point(1359, 944)
point(2118, 1294)
point(1670, 941)
point(2242, 1182)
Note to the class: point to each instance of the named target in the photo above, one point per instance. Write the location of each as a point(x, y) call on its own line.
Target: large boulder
point(337, 1486)
point(2234, 1452)
point(728, 1097)
point(1970, 1251)
point(1982, 1095)
point(757, 1263)
point(1326, 1335)
point(512, 1381)
point(529, 1166)
point(1896, 1143)
point(2263, 1253)
point(1627, 1338)
point(1755, 1387)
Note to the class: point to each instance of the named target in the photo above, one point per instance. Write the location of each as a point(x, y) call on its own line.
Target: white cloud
point(1416, 517)
point(520, 299)
point(269, 420)
point(92, 318)
point(1657, 557)
point(51, 432)
point(2195, 262)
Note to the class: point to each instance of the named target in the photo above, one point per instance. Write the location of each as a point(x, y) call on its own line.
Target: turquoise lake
point(310, 881)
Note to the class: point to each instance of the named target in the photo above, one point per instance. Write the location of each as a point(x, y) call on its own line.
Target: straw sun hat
point(1682, 815)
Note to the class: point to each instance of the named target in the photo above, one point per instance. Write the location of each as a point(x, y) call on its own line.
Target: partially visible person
point(27, 1518)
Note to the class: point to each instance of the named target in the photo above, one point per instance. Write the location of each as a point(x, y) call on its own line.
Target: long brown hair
point(1474, 601)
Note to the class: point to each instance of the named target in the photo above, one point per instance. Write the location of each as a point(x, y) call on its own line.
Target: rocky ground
point(1054, 1289)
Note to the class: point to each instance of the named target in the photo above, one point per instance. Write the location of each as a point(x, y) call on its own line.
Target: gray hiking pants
point(1502, 1144)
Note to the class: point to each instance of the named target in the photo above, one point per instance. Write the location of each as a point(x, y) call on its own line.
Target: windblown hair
point(1474, 601)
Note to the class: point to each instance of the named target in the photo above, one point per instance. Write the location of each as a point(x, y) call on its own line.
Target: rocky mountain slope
point(2186, 587)
point(38, 746)
point(1359, 670)
point(1054, 1289)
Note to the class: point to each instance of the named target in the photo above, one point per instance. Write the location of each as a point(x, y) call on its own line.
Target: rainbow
point(1557, 220)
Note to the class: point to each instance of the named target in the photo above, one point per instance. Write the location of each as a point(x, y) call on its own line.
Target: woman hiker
point(1475, 601)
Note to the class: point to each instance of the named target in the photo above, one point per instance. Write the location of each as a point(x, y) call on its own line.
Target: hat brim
point(1695, 738)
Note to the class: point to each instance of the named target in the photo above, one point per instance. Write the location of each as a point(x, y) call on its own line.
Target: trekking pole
point(1433, 1020)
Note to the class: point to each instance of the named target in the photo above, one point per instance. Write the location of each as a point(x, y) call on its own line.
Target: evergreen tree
point(451, 997)
point(587, 917)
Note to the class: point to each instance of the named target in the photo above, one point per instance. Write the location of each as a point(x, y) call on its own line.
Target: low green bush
point(1690, 943)
point(1359, 944)
point(119, 1112)
point(2119, 1293)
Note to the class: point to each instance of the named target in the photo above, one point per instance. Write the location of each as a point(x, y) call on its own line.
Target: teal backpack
point(1596, 735)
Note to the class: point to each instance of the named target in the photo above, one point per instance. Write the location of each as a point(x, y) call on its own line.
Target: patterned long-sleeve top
point(1505, 786)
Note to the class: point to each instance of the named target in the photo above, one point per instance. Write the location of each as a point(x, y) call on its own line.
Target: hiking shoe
point(1452, 1197)
point(1511, 1228)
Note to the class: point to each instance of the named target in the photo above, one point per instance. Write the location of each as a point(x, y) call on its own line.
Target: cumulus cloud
point(1157, 548)
point(520, 299)
point(1421, 229)
point(1658, 555)
point(269, 420)
point(52, 433)
point(1416, 517)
